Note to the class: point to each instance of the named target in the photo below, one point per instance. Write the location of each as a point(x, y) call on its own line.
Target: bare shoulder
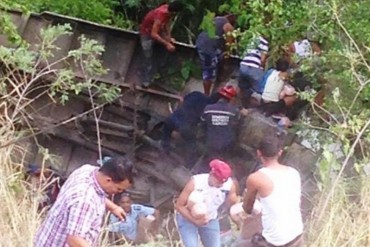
point(256, 178)
point(190, 185)
point(183, 197)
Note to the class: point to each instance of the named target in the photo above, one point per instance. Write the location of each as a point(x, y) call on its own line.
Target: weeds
point(346, 220)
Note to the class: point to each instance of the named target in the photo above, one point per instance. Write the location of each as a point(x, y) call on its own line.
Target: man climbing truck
point(155, 29)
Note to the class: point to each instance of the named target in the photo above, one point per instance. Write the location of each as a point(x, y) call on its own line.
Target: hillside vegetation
point(342, 71)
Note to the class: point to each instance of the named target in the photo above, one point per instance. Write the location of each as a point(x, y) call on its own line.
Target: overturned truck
point(131, 125)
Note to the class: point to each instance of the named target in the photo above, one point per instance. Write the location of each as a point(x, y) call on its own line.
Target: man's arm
point(156, 214)
point(264, 57)
point(232, 197)
point(250, 193)
point(315, 48)
point(167, 33)
point(182, 201)
point(157, 221)
point(228, 28)
point(155, 34)
point(115, 209)
point(76, 241)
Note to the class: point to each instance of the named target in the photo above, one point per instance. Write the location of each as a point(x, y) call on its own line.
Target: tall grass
point(18, 211)
point(346, 222)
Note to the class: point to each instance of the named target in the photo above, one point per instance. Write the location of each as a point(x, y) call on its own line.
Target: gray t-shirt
point(216, 44)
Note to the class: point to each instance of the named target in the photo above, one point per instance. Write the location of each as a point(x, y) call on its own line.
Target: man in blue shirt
point(185, 120)
point(221, 121)
point(129, 228)
point(211, 49)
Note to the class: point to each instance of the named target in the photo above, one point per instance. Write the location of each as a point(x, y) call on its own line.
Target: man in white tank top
point(198, 203)
point(278, 188)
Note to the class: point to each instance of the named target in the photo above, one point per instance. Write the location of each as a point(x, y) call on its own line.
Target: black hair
point(118, 197)
point(282, 65)
point(271, 145)
point(231, 18)
point(175, 6)
point(119, 169)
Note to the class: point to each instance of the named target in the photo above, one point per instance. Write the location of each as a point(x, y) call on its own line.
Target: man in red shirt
point(156, 28)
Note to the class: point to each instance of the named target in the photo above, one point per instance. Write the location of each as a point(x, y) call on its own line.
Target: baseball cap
point(221, 170)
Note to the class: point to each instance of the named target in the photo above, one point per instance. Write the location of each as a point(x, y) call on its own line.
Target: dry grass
point(18, 212)
point(346, 221)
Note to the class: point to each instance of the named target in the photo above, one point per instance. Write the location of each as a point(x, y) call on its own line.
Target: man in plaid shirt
point(77, 215)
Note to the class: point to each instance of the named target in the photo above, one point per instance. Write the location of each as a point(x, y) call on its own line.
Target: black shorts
point(273, 107)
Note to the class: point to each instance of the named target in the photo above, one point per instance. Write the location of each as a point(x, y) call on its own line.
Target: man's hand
point(244, 112)
point(202, 221)
point(170, 47)
point(119, 212)
point(77, 241)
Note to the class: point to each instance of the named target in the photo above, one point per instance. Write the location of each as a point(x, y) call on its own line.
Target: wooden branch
point(112, 125)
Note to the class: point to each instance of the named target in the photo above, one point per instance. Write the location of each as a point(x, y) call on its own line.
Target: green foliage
point(86, 58)
point(178, 76)
point(281, 22)
point(133, 3)
point(8, 28)
point(95, 10)
point(21, 58)
point(208, 24)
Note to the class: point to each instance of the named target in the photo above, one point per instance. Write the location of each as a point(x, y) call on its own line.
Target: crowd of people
point(76, 217)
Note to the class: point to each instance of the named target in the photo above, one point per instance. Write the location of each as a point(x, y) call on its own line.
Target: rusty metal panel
point(73, 107)
point(63, 43)
point(60, 152)
point(89, 32)
point(119, 49)
point(79, 157)
point(45, 112)
point(32, 30)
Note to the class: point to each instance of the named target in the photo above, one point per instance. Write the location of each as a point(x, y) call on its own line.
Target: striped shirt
point(78, 211)
point(253, 56)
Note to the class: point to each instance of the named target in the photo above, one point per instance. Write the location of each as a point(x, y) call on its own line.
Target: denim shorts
point(209, 64)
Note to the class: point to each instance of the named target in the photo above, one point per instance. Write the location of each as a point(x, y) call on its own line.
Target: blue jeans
point(250, 77)
point(209, 234)
point(249, 80)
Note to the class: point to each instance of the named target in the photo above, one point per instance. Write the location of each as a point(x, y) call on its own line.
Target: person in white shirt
point(277, 93)
point(197, 205)
point(302, 49)
point(278, 189)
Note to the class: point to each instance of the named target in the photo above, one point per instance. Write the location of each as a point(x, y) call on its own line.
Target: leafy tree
point(24, 72)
